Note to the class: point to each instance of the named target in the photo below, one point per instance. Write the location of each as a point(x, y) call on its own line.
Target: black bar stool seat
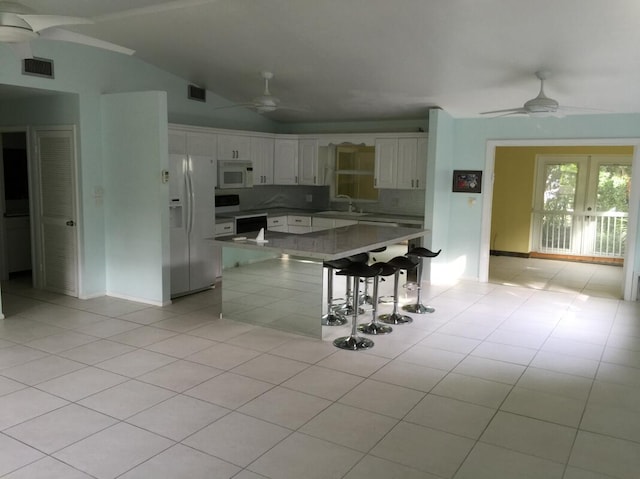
point(353, 342)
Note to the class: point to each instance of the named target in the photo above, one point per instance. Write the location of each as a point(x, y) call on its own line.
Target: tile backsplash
point(401, 202)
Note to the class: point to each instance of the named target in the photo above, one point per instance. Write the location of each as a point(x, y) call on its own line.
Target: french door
point(581, 205)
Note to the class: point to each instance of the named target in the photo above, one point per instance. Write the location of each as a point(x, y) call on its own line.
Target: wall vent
point(40, 67)
point(197, 93)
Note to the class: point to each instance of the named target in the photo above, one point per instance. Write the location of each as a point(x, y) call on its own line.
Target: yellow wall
point(513, 190)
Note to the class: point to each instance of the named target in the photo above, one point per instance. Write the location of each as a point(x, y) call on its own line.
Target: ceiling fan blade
point(235, 105)
point(293, 108)
point(508, 111)
point(42, 22)
point(21, 50)
point(72, 37)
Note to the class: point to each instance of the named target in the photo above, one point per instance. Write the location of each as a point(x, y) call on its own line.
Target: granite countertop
point(327, 244)
point(381, 217)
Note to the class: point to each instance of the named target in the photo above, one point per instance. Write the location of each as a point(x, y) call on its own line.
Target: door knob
point(70, 223)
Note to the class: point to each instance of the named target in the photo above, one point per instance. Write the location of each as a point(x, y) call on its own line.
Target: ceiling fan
point(19, 24)
point(266, 103)
point(539, 106)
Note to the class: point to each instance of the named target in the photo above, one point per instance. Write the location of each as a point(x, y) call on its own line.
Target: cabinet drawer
point(294, 220)
point(223, 229)
point(276, 221)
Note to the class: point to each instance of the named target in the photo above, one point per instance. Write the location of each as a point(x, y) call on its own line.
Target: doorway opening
point(15, 227)
point(563, 200)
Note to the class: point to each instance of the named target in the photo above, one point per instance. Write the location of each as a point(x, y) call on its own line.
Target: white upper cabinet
point(401, 163)
point(421, 164)
point(386, 163)
point(285, 162)
point(406, 167)
point(309, 171)
point(234, 147)
point(262, 160)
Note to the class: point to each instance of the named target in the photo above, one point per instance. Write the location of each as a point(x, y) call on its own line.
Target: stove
point(229, 205)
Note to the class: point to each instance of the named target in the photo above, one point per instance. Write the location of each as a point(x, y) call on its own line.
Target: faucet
point(351, 207)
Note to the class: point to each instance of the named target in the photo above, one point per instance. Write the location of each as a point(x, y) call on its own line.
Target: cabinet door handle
point(314, 179)
point(296, 178)
point(412, 183)
point(417, 183)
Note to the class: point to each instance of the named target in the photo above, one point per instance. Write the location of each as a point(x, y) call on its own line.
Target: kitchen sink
point(341, 213)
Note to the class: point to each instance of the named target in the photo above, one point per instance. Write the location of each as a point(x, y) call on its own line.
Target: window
point(354, 173)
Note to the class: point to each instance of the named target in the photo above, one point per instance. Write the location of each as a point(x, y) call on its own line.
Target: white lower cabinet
point(277, 223)
point(224, 229)
point(319, 224)
point(338, 222)
point(299, 224)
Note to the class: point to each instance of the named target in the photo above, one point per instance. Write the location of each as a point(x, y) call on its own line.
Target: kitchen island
point(280, 284)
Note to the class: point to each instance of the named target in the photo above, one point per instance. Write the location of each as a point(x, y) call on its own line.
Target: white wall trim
point(138, 300)
point(485, 234)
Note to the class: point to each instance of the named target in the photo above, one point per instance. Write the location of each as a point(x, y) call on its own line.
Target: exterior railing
point(596, 234)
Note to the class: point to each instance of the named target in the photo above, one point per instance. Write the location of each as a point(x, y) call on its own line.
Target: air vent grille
point(40, 67)
point(197, 93)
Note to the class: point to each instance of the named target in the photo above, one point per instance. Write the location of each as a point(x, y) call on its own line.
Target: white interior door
point(581, 206)
point(57, 210)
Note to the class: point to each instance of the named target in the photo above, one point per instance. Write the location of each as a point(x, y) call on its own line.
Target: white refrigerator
point(192, 179)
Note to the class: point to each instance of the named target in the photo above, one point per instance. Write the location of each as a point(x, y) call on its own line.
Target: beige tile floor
point(599, 280)
point(501, 382)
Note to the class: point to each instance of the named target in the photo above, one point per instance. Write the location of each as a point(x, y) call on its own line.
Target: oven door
point(248, 224)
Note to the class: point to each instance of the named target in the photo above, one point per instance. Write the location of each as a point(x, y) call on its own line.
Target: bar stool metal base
point(395, 318)
point(353, 343)
point(418, 308)
point(374, 328)
point(333, 319)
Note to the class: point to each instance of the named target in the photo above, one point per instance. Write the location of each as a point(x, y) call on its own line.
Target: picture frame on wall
point(467, 181)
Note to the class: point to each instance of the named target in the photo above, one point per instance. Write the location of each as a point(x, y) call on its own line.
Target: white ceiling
point(383, 59)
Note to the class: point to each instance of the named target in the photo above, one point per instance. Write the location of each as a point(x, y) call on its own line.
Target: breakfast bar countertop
point(324, 245)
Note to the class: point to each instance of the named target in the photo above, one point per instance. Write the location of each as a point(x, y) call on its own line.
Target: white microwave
point(235, 174)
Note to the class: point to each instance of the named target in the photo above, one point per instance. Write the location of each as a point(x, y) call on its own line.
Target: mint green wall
point(465, 148)
point(56, 109)
point(87, 73)
point(438, 191)
point(135, 145)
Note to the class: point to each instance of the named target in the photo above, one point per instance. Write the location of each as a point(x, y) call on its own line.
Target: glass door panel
point(581, 205)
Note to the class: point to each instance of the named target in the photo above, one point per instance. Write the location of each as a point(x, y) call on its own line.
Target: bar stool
point(400, 263)
point(374, 327)
point(347, 308)
point(353, 342)
point(333, 317)
point(366, 298)
point(420, 253)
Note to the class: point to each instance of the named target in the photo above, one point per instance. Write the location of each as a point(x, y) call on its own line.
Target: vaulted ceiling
point(381, 59)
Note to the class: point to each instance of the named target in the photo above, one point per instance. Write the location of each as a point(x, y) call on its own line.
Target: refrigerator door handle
point(190, 195)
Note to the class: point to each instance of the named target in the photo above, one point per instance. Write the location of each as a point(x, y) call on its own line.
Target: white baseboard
point(138, 300)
